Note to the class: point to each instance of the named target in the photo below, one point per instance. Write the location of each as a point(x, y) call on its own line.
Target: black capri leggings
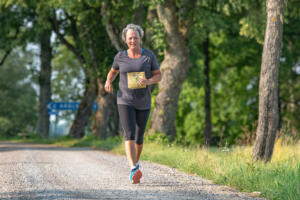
point(133, 122)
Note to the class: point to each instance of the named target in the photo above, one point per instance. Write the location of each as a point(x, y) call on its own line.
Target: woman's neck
point(134, 53)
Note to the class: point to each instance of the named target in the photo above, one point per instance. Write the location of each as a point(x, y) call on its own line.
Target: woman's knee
point(140, 139)
point(129, 136)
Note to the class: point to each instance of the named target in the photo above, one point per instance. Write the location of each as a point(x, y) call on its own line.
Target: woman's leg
point(127, 117)
point(138, 150)
point(141, 122)
point(130, 152)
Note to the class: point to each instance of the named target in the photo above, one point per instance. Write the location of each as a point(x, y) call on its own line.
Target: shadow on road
point(135, 193)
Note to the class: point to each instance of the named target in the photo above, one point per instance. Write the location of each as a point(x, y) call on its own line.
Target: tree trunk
point(106, 119)
point(208, 126)
point(8, 51)
point(6, 54)
point(174, 67)
point(45, 84)
point(84, 112)
point(268, 87)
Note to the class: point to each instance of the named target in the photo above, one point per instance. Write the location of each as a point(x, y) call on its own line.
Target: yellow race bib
point(133, 79)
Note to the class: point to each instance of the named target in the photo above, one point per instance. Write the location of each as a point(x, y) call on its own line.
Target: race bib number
point(133, 79)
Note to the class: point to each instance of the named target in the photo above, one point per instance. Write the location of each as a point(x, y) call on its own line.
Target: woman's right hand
point(108, 87)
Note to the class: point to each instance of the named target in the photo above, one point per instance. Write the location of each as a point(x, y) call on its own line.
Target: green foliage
point(254, 23)
point(190, 112)
point(22, 21)
point(67, 82)
point(13, 30)
point(289, 73)
point(68, 77)
point(18, 100)
point(158, 37)
point(5, 125)
point(157, 2)
point(159, 138)
point(234, 69)
point(80, 24)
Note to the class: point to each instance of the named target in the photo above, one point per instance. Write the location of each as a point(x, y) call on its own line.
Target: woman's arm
point(112, 74)
point(154, 79)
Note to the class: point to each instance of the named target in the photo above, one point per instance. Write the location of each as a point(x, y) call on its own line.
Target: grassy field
point(279, 179)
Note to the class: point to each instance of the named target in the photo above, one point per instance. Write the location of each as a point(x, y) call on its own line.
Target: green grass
point(66, 141)
point(278, 179)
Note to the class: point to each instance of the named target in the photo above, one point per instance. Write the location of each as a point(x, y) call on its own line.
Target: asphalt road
point(30, 171)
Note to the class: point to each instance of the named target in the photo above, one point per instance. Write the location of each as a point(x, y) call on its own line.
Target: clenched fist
point(108, 87)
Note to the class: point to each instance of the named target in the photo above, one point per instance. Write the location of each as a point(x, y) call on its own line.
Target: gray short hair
point(132, 27)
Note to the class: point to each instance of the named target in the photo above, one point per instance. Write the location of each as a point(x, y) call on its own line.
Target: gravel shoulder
point(31, 171)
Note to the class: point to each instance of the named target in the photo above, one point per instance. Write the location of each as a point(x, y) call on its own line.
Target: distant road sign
point(54, 107)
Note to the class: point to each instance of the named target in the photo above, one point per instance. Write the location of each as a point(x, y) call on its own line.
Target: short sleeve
point(115, 64)
point(154, 63)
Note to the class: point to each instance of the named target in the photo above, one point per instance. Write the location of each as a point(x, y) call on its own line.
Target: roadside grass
point(66, 141)
point(278, 179)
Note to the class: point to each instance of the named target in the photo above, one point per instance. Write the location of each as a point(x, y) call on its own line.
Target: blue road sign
point(54, 107)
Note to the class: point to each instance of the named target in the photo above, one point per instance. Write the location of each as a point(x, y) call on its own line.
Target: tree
point(44, 83)
point(268, 88)
point(77, 27)
point(175, 64)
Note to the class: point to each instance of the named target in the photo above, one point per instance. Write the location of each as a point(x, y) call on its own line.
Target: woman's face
point(133, 39)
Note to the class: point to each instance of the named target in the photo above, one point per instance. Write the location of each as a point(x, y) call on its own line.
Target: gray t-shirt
point(147, 62)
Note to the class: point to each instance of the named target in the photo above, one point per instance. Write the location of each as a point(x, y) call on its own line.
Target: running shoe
point(135, 176)
point(137, 165)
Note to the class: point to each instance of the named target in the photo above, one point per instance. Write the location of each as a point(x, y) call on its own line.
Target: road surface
point(29, 171)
